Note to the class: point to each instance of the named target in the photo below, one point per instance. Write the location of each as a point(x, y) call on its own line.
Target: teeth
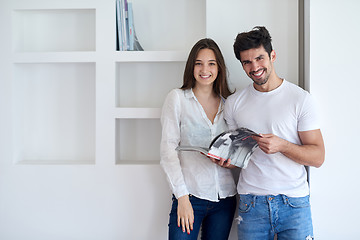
point(205, 76)
point(259, 73)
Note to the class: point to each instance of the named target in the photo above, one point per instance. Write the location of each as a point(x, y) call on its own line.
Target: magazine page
point(236, 145)
point(193, 148)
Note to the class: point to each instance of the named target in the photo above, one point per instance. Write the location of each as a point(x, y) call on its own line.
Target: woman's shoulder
point(180, 93)
point(174, 96)
point(175, 93)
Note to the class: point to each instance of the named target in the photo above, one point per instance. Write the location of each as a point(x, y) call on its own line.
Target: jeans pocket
point(299, 202)
point(245, 203)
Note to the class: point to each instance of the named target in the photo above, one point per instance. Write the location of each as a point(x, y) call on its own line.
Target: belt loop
point(254, 200)
point(285, 199)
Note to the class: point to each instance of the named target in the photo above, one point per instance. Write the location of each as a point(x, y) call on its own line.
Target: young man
point(273, 189)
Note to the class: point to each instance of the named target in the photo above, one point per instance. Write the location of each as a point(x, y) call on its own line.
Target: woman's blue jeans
point(215, 219)
point(261, 217)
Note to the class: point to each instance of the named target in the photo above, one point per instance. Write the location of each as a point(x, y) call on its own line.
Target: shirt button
point(270, 198)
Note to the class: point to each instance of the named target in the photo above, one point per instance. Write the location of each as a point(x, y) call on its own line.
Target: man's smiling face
point(257, 64)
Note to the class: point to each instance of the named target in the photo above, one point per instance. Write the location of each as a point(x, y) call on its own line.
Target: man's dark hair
point(257, 37)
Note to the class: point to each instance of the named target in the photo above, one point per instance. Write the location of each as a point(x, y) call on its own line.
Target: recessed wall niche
point(54, 30)
point(54, 113)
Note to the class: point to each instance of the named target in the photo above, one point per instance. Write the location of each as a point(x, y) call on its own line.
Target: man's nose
point(254, 66)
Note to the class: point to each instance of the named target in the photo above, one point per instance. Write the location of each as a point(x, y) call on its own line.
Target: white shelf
point(137, 162)
point(91, 56)
point(57, 162)
point(151, 56)
point(54, 57)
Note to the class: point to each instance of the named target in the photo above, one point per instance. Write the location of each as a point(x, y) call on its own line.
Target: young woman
point(203, 192)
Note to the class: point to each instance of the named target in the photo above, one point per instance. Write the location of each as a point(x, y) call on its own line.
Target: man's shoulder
point(295, 88)
point(293, 91)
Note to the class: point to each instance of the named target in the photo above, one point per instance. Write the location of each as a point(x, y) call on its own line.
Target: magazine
point(236, 145)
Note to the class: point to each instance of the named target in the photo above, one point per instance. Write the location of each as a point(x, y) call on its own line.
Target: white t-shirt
point(184, 122)
point(284, 112)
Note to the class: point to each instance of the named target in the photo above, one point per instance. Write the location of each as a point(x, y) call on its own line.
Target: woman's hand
point(223, 163)
point(185, 214)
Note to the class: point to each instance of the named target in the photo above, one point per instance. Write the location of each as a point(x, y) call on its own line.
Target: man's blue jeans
point(261, 217)
point(215, 219)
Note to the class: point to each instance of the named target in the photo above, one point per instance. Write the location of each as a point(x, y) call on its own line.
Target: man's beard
point(260, 82)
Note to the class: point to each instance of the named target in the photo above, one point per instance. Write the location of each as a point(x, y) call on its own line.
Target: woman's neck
point(204, 92)
point(209, 101)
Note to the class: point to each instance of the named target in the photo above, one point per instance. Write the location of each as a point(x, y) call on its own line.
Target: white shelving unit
point(54, 85)
point(89, 99)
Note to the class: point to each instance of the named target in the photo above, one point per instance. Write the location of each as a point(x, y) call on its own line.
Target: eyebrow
point(261, 55)
point(211, 60)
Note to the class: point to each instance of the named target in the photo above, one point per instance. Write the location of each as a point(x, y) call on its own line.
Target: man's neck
point(270, 85)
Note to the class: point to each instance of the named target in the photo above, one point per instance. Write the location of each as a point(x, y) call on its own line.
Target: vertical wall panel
point(334, 82)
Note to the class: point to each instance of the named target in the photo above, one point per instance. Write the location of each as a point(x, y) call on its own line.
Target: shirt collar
point(189, 93)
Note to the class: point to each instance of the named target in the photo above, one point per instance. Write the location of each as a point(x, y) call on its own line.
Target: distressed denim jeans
point(261, 217)
point(215, 219)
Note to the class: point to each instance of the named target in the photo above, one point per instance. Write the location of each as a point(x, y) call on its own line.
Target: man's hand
point(185, 214)
point(270, 143)
point(311, 151)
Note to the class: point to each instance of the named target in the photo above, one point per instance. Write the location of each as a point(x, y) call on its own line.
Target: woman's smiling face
point(206, 67)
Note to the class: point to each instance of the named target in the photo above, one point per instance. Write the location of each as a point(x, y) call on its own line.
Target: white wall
point(225, 19)
point(334, 81)
point(97, 204)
